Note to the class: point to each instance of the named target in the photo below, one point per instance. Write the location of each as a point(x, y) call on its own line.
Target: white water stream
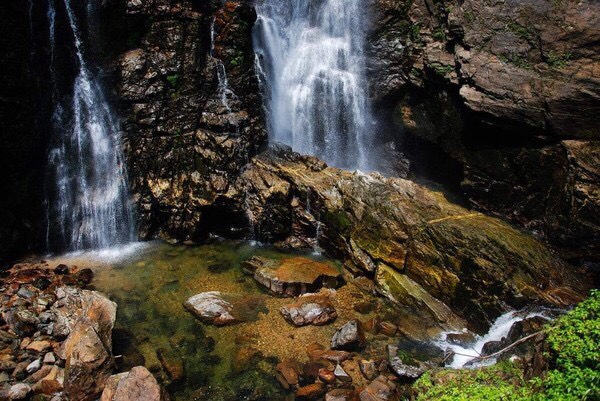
point(311, 56)
point(89, 206)
point(500, 328)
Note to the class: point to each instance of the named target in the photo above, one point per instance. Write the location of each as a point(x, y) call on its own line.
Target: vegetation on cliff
point(573, 356)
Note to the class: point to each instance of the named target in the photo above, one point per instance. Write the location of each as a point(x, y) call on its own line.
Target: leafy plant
point(574, 356)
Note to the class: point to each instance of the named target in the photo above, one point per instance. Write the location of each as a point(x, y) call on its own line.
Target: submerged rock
point(315, 309)
point(221, 309)
point(349, 337)
point(293, 276)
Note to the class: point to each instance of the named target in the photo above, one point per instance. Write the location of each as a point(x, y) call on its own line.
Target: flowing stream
point(312, 69)
point(88, 202)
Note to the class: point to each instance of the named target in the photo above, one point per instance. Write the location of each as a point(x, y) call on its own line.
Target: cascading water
point(311, 54)
point(89, 205)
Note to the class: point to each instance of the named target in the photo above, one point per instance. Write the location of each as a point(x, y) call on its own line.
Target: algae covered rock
point(293, 276)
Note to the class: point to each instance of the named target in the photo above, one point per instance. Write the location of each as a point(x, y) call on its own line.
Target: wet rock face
point(505, 90)
point(439, 259)
point(192, 113)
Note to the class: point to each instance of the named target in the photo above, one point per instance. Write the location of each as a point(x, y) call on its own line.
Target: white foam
point(500, 329)
point(110, 255)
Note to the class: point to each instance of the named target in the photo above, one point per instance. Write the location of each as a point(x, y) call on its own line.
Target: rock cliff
point(507, 90)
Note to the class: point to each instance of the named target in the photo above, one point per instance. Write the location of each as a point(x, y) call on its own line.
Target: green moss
point(469, 16)
point(415, 33)
point(337, 219)
point(439, 34)
point(503, 381)
point(557, 60)
point(441, 69)
point(521, 31)
point(574, 357)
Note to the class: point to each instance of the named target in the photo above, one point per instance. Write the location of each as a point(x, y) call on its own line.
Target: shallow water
point(230, 363)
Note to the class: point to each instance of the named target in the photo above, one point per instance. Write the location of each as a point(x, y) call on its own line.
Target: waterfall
point(89, 205)
point(314, 78)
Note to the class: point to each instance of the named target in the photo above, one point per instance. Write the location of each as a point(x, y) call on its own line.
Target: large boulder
point(87, 317)
point(425, 249)
point(293, 276)
point(503, 97)
point(222, 309)
point(136, 385)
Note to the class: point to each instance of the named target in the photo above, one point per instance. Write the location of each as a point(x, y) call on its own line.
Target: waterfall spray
point(89, 206)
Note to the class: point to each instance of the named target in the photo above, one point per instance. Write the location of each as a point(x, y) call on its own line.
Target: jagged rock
point(19, 391)
point(495, 87)
point(349, 337)
point(315, 309)
point(400, 369)
point(368, 369)
point(293, 276)
point(222, 309)
point(380, 389)
point(89, 318)
point(34, 366)
point(341, 374)
point(188, 143)
point(340, 394)
point(326, 376)
point(136, 385)
point(316, 352)
point(460, 338)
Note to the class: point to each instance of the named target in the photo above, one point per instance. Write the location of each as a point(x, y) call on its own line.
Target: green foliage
point(174, 80)
point(469, 16)
point(574, 342)
point(439, 34)
point(415, 33)
point(521, 31)
point(503, 381)
point(441, 69)
point(575, 351)
point(238, 60)
point(557, 60)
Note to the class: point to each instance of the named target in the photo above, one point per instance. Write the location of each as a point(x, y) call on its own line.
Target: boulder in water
point(349, 337)
point(136, 385)
point(293, 276)
point(315, 309)
point(221, 309)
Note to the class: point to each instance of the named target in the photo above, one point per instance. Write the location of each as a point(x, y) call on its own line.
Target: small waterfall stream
point(312, 58)
point(89, 205)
